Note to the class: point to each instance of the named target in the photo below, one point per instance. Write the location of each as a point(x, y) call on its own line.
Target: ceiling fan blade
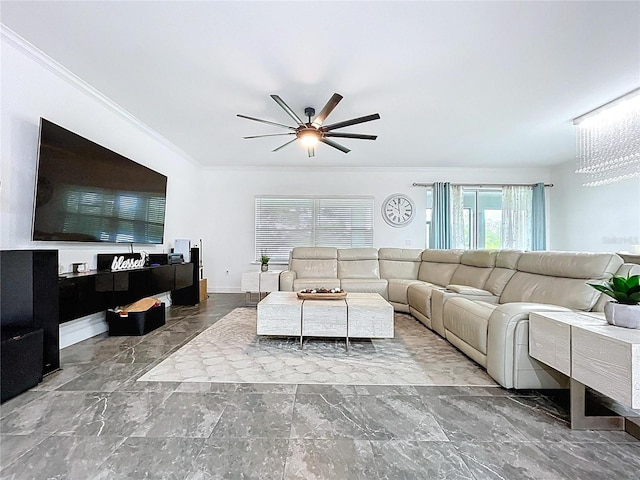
point(350, 135)
point(335, 145)
point(267, 122)
point(270, 135)
point(284, 145)
point(311, 151)
point(327, 109)
point(353, 121)
point(287, 109)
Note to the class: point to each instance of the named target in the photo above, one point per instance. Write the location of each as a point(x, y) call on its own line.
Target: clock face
point(398, 210)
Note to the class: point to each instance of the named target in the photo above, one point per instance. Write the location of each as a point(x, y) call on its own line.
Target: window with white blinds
point(286, 222)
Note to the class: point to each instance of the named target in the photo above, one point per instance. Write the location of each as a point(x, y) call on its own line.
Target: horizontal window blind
point(285, 222)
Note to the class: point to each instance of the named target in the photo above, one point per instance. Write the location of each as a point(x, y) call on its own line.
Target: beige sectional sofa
point(479, 300)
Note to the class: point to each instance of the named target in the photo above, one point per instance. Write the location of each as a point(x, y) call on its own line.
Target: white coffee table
point(359, 315)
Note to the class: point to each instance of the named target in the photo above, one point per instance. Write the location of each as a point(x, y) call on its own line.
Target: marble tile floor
point(92, 420)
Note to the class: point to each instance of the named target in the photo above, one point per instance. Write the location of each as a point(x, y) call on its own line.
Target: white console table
point(260, 282)
point(594, 354)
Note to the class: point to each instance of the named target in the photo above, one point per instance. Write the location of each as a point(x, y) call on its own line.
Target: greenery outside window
point(482, 218)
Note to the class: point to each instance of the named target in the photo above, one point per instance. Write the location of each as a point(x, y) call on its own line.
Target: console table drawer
point(607, 359)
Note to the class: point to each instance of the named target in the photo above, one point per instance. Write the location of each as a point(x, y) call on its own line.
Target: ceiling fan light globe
point(309, 139)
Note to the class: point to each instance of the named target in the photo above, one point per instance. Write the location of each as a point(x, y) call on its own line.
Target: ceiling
point(469, 84)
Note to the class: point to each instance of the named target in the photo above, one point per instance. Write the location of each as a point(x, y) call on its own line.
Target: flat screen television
point(88, 193)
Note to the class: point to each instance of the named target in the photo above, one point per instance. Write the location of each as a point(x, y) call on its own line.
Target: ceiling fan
point(312, 132)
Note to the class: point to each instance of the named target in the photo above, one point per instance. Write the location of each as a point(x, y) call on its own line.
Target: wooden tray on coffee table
point(322, 296)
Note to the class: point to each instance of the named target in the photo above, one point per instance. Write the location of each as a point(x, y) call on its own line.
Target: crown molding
point(11, 38)
point(369, 169)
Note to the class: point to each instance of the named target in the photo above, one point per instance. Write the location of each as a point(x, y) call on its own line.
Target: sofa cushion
point(475, 268)
point(508, 258)
point(559, 278)
point(435, 255)
point(472, 276)
point(438, 266)
point(506, 264)
point(315, 253)
point(419, 297)
point(467, 290)
point(498, 279)
point(357, 254)
point(397, 289)
point(314, 268)
point(365, 285)
point(570, 264)
point(468, 321)
point(479, 258)
point(567, 292)
point(358, 263)
point(399, 263)
point(302, 283)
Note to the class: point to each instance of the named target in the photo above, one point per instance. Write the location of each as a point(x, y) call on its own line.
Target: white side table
point(593, 354)
point(260, 282)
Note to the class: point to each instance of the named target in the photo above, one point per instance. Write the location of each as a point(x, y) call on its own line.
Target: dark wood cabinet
point(96, 291)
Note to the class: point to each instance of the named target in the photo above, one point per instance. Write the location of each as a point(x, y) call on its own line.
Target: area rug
point(231, 352)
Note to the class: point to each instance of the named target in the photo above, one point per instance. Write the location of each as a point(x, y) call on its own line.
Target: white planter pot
point(622, 315)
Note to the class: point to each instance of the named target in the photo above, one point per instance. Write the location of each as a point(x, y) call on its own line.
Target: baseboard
point(213, 289)
point(80, 329)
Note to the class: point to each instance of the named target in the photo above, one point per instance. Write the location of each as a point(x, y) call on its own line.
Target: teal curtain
point(538, 219)
point(441, 218)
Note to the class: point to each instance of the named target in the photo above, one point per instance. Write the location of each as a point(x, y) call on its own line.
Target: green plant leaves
point(624, 290)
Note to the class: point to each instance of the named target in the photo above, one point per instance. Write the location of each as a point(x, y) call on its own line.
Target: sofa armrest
point(286, 280)
point(467, 290)
point(508, 334)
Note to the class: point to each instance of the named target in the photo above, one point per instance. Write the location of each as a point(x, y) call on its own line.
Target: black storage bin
point(136, 323)
point(22, 356)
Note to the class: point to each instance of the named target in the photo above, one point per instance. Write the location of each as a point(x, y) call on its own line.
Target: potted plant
point(264, 260)
point(625, 310)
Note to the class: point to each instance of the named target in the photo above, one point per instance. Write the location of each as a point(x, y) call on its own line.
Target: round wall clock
point(398, 210)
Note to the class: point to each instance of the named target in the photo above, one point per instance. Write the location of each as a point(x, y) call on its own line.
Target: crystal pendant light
point(608, 141)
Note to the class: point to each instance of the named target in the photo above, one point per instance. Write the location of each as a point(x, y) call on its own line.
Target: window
point(286, 222)
point(482, 218)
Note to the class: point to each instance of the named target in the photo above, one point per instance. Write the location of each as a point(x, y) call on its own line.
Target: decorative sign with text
point(121, 261)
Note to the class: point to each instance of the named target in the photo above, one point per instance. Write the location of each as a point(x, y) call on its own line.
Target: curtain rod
point(492, 185)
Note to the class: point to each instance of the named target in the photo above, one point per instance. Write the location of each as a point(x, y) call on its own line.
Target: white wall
point(229, 196)
point(598, 219)
point(34, 86)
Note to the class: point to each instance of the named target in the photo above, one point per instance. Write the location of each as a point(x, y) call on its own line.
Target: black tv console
point(95, 291)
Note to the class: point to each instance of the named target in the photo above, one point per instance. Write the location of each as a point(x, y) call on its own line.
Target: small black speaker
point(190, 295)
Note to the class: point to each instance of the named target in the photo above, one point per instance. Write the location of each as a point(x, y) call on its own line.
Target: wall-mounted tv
point(88, 193)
